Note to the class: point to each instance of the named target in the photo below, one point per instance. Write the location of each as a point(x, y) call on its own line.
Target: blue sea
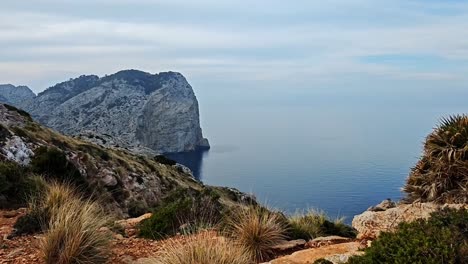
point(338, 152)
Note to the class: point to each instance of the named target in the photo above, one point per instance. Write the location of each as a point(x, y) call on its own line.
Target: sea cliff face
point(143, 112)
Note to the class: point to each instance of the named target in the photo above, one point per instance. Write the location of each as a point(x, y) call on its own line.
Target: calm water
point(338, 153)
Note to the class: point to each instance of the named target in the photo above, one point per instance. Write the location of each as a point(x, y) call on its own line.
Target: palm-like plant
point(441, 175)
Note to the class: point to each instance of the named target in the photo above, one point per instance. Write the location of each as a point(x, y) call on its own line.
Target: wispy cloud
point(260, 40)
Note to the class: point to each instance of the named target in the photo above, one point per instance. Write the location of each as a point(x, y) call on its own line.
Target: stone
point(131, 222)
point(371, 223)
point(289, 245)
point(312, 254)
point(327, 240)
point(384, 205)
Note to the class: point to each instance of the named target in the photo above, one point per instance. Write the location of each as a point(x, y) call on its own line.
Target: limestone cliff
point(136, 110)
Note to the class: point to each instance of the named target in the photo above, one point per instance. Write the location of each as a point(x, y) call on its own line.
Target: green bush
point(164, 160)
point(182, 210)
point(441, 175)
point(312, 224)
point(53, 164)
point(17, 184)
point(443, 238)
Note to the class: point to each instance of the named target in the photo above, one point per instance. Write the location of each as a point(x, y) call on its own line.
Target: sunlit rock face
point(131, 109)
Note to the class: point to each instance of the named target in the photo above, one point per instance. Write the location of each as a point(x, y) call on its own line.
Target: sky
point(245, 46)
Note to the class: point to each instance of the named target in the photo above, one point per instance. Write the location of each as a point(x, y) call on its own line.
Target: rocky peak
point(143, 111)
point(11, 94)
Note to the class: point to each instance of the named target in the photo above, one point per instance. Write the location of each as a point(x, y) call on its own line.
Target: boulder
point(371, 223)
point(332, 252)
point(290, 245)
point(327, 240)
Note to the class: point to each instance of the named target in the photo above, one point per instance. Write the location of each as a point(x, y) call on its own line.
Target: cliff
point(139, 111)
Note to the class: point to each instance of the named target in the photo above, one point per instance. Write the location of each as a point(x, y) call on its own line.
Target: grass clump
point(73, 235)
point(443, 238)
point(256, 229)
point(203, 248)
point(312, 223)
point(441, 175)
point(43, 207)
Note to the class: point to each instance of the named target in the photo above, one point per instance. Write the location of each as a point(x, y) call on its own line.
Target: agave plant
point(441, 175)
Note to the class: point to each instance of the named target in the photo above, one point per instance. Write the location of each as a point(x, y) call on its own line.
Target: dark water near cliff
point(338, 153)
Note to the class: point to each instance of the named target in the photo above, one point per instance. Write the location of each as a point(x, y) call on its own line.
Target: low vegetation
point(182, 210)
point(73, 234)
point(443, 238)
point(441, 175)
point(312, 223)
point(203, 248)
point(256, 229)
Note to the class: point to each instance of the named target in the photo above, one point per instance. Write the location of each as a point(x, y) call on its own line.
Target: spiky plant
point(202, 248)
point(441, 175)
point(256, 229)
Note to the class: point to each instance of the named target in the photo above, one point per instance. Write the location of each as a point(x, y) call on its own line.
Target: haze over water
point(338, 152)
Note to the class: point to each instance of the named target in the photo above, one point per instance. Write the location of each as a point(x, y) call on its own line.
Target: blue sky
point(263, 44)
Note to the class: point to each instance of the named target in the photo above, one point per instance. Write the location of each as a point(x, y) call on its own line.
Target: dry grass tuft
point(258, 230)
point(203, 248)
point(73, 235)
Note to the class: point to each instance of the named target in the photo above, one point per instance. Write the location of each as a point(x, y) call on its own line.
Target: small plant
point(182, 210)
point(441, 175)
point(313, 223)
point(256, 229)
point(53, 164)
point(73, 235)
point(203, 248)
point(443, 238)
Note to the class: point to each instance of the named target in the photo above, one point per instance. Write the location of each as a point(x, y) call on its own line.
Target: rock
point(325, 241)
point(384, 205)
point(371, 223)
point(289, 245)
point(16, 150)
point(118, 236)
point(131, 222)
point(312, 254)
point(145, 113)
point(11, 213)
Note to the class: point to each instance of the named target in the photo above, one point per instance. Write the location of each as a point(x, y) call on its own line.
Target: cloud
point(252, 41)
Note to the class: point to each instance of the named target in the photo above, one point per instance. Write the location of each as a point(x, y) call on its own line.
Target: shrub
point(202, 248)
point(164, 160)
point(73, 235)
point(443, 238)
point(182, 210)
point(256, 229)
point(441, 175)
point(53, 164)
point(312, 224)
point(17, 184)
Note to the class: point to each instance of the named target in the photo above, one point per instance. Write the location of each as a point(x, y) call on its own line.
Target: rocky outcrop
point(338, 253)
point(139, 111)
point(371, 223)
point(15, 95)
point(124, 182)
